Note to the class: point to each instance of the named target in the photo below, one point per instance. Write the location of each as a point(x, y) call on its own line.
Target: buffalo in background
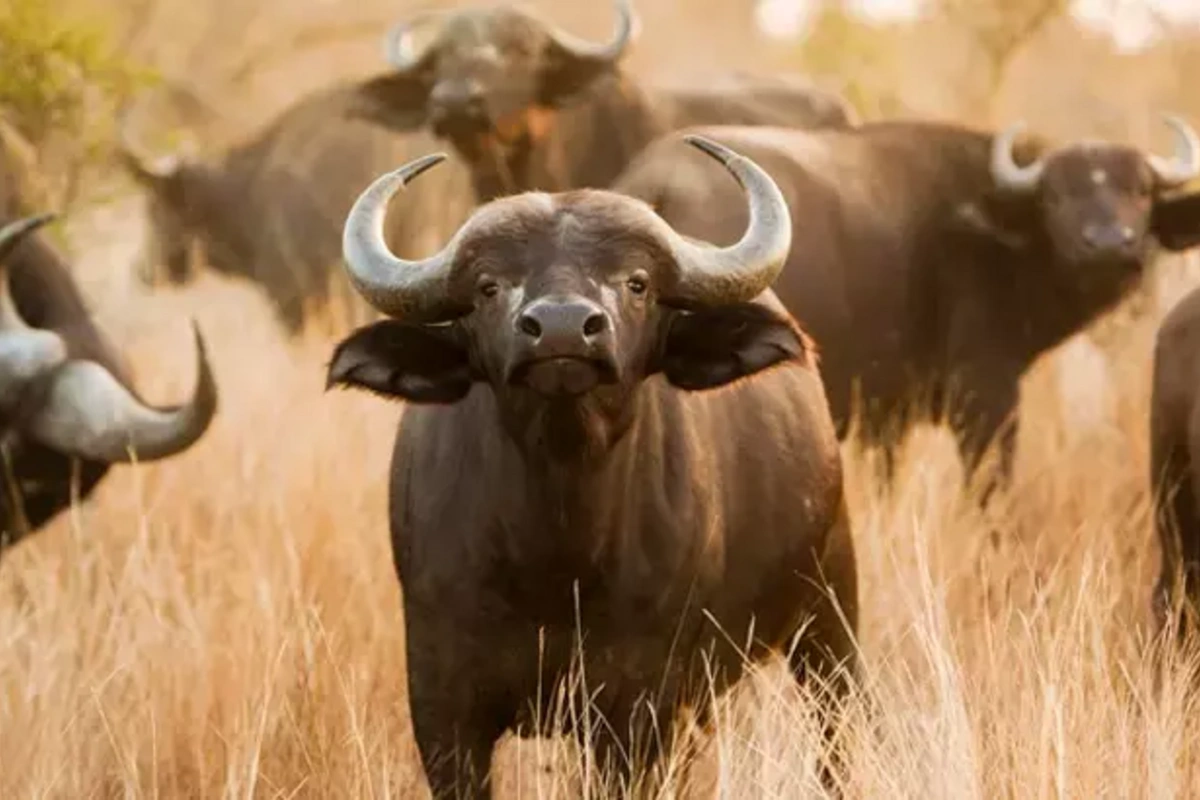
point(68, 411)
point(933, 263)
point(1175, 453)
point(559, 350)
point(270, 210)
point(529, 106)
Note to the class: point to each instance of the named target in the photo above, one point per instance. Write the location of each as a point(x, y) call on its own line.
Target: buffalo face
point(167, 181)
point(1096, 204)
point(170, 246)
point(566, 303)
point(490, 75)
point(1100, 208)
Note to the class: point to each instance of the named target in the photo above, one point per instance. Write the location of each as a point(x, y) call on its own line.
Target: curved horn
point(627, 28)
point(399, 49)
point(90, 414)
point(25, 352)
point(1185, 166)
point(414, 290)
point(712, 275)
point(1005, 172)
point(143, 166)
point(11, 236)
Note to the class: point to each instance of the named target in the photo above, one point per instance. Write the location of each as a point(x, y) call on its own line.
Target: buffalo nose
point(458, 98)
point(1108, 237)
point(562, 326)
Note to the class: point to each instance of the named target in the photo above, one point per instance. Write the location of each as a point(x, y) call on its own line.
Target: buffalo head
point(1095, 205)
point(564, 303)
point(76, 406)
point(185, 206)
point(487, 73)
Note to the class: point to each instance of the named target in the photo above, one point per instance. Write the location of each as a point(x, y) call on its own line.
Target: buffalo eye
point(638, 282)
point(488, 288)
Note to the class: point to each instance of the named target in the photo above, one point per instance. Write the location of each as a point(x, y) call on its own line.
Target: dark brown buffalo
point(529, 106)
point(67, 409)
point(611, 425)
point(929, 265)
point(270, 209)
point(1175, 453)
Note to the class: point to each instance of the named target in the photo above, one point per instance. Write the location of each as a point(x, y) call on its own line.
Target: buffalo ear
point(396, 101)
point(711, 347)
point(1176, 222)
point(991, 222)
point(565, 75)
point(417, 363)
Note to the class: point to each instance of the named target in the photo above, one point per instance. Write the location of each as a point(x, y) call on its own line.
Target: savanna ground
point(227, 623)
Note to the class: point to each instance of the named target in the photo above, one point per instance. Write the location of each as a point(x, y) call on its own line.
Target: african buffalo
point(1175, 451)
point(931, 264)
point(270, 210)
point(67, 409)
point(528, 106)
point(562, 462)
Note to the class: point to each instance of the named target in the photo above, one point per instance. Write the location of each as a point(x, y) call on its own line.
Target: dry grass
point(227, 623)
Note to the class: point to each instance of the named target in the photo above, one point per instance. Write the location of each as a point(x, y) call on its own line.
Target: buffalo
point(649, 457)
point(67, 409)
point(936, 262)
point(1175, 451)
point(270, 209)
point(528, 106)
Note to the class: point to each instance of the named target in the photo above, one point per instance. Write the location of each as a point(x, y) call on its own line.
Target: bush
point(61, 81)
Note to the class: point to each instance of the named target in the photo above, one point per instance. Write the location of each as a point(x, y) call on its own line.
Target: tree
point(61, 80)
point(999, 29)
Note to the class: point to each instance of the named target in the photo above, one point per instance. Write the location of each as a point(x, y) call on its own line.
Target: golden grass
point(227, 623)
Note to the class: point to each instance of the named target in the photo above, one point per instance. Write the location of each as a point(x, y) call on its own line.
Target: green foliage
point(61, 81)
point(863, 58)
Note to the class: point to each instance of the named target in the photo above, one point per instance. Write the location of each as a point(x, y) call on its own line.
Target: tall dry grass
point(227, 623)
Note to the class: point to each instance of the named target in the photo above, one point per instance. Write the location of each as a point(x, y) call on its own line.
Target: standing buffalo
point(270, 209)
point(529, 106)
point(558, 351)
point(67, 412)
point(1175, 449)
point(936, 264)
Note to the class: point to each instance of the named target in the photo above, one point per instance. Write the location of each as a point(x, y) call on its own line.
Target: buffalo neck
point(590, 139)
point(577, 519)
point(1057, 300)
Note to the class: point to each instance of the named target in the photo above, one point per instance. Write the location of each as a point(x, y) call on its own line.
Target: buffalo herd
point(641, 316)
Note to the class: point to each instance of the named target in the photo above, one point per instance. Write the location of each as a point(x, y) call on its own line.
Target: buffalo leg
point(987, 416)
point(826, 649)
point(1177, 521)
point(457, 715)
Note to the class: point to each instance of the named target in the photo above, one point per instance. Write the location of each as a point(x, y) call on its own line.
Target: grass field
point(227, 623)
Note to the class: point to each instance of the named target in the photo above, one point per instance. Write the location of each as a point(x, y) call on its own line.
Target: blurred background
point(212, 71)
point(1072, 67)
point(227, 623)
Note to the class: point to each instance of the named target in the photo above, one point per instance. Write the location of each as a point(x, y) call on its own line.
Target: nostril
point(595, 325)
point(529, 326)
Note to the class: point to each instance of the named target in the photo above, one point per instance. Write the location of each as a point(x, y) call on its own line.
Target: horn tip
point(411, 170)
point(715, 149)
point(196, 333)
point(14, 231)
